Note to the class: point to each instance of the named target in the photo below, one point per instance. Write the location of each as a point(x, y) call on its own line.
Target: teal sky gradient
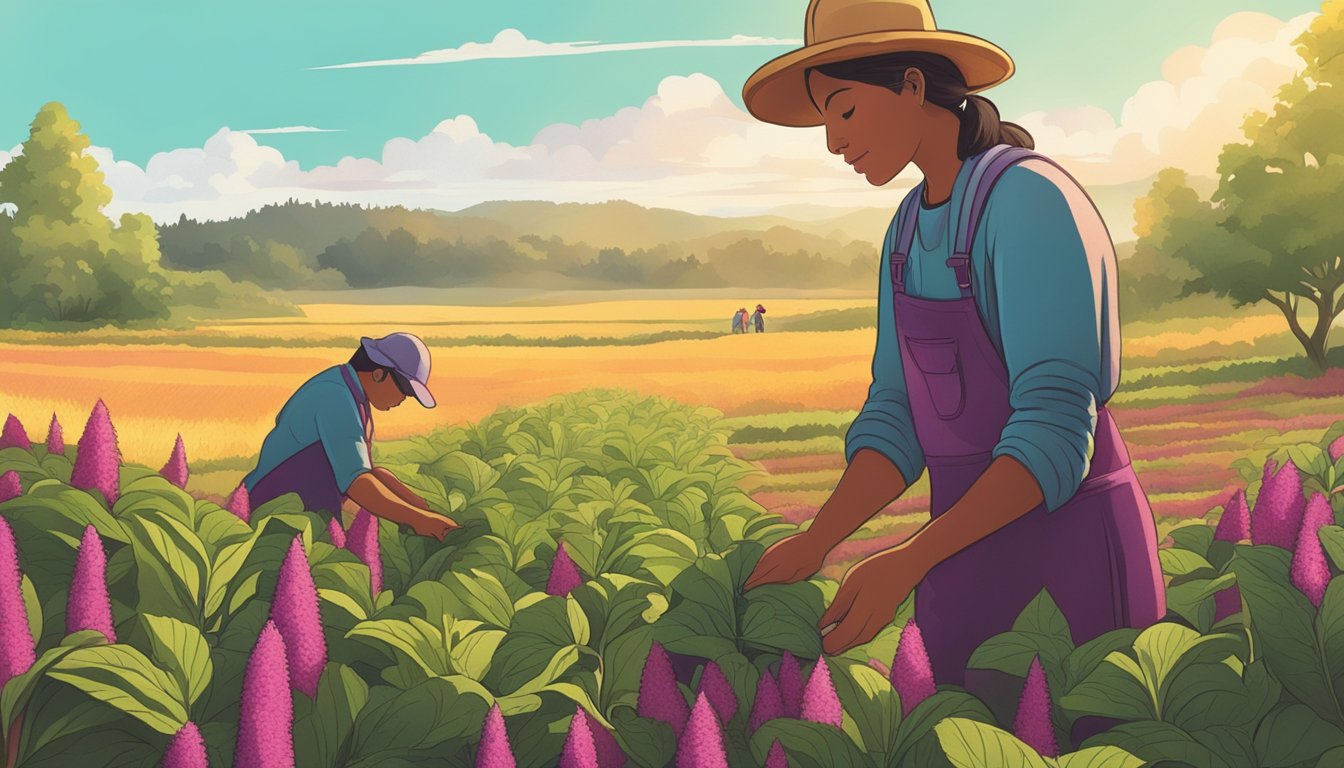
point(144, 76)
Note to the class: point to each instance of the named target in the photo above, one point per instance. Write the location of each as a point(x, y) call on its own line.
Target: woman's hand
point(434, 525)
point(868, 598)
point(789, 560)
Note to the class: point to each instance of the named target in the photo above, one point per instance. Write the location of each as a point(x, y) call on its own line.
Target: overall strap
point(989, 167)
point(905, 237)
point(361, 405)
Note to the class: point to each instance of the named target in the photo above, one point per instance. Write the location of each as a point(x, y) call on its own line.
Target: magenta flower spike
point(362, 539)
point(1310, 571)
point(776, 758)
point(609, 752)
point(659, 696)
point(565, 575)
point(176, 469)
point(1336, 449)
point(17, 650)
point(186, 749)
point(88, 606)
point(911, 671)
point(239, 504)
point(336, 532)
point(1033, 725)
point(821, 704)
point(768, 704)
point(580, 750)
point(55, 437)
point(701, 744)
point(11, 486)
point(295, 613)
point(1235, 524)
point(494, 750)
point(714, 684)
point(266, 717)
point(791, 685)
point(13, 434)
point(1279, 509)
point(98, 465)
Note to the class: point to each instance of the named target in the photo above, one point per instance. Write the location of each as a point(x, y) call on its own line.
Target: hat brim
point(777, 92)
point(422, 392)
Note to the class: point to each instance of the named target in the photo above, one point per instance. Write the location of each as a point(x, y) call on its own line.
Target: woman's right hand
point(789, 560)
point(434, 525)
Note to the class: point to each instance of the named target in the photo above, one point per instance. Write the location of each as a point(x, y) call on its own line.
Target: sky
point(213, 108)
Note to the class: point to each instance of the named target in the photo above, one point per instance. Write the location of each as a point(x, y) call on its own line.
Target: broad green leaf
point(1330, 637)
point(578, 621)
point(1332, 539)
point(180, 648)
point(423, 723)
point(783, 617)
point(917, 729)
point(1195, 538)
point(1100, 757)
point(809, 745)
point(20, 688)
point(1294, 734)
point(1183, 562)
point(32, 607)
point(868, 697)
point(1113, 689)
point(122, 676)
point(1156, 742)
point(172, 565)
point(227, 563)
point(422, 643)
point(969, 744)
point(471, 656)
point(323, 736)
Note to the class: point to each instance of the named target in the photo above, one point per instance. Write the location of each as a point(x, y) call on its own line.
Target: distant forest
point(323, 246)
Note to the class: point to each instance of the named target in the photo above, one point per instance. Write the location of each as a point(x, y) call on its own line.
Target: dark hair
point(945, 87)
point(361, 361)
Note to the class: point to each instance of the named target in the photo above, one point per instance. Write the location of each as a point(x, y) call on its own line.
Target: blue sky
point(182, 100)
point(144, 76)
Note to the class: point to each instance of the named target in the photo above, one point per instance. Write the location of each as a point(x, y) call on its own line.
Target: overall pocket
point(940, 365)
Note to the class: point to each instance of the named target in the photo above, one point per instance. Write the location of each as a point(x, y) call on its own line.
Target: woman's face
point(873, 128)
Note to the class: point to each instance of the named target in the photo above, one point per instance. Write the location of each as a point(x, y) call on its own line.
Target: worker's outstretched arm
point(370, 492)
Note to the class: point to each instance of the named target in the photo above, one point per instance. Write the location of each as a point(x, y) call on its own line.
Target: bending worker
point(321, 446)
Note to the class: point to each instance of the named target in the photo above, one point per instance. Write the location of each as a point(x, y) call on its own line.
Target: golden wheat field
point(223, 399)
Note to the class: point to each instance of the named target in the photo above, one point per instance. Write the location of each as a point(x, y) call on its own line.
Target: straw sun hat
point(840, 30)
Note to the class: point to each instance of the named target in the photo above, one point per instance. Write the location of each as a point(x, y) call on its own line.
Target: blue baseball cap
point(407, 355)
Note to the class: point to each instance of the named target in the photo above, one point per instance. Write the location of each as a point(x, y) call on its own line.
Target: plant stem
point(12, 741)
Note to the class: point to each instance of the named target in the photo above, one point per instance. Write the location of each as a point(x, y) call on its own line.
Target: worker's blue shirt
point(323, 409)
point(1044, 278)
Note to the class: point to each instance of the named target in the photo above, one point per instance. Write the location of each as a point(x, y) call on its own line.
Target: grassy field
point(1197, 392)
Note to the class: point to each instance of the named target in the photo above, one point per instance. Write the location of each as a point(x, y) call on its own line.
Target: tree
point(60, 257)
point(1273, 231)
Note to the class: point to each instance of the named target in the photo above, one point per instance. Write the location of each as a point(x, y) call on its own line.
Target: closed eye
point(847, 114)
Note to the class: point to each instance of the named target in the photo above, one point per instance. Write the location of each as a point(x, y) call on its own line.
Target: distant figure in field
point(740, 321)
point(758, 319)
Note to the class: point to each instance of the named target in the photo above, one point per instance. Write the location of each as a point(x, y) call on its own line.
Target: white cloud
point(1186, 118)
point(512, 44)
point(292, 129)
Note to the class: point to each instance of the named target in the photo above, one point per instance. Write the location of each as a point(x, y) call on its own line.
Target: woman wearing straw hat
point(998, 347)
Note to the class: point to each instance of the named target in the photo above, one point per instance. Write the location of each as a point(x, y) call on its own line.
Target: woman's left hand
point(868, 599)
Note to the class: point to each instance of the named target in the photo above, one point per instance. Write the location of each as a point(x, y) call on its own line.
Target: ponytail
point(982, 129)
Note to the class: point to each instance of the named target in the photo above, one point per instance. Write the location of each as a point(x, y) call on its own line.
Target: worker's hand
point(434, 525)
point(789, 560)
point(868, 598)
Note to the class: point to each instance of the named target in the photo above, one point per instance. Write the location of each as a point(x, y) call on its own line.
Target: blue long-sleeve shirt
point(1044, 278)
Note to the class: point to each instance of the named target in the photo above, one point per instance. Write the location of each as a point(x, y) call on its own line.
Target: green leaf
point(1195, 538)
point(422, 723)
point(181, 649)
point(1332, 539)
point(868, 697)
point(322, 738)
point(1294, 734)
point(420, 642)
point(1100, 757)
point(969, 744)
point(122, 676)
point(1182, 562)
point(1284, 621)
point(32, 607)
point(227, 563)
point(19, 690)
point(647, 743)
point(703, 618)
point(171, 562)
point(917, 728)
point(1086, 657)
point(1114, 689)
point(1192, 598)
point(578, 621)
point(1156, 742)
point(809, 745)
point(783, 617)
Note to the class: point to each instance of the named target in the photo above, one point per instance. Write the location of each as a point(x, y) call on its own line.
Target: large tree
point(61, 258)
point(1273, 231)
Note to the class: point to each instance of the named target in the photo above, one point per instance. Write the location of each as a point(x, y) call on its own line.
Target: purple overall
point(308, 472)
point(1096, 554)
